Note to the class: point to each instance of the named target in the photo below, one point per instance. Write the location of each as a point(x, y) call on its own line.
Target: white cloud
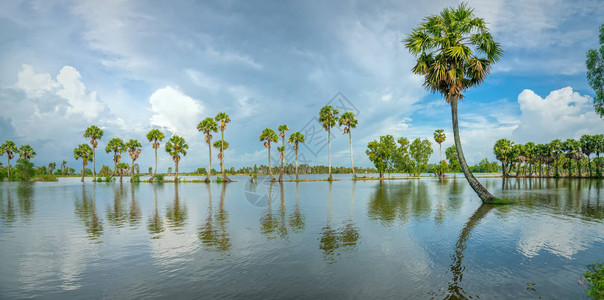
point(34, 84)
point(175, 111)
point(562, 114)
point(230, 57)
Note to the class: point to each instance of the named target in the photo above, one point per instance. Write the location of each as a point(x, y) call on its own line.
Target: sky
point(131, 66)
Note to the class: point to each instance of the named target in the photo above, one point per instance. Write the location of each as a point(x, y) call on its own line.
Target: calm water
point(405, 239)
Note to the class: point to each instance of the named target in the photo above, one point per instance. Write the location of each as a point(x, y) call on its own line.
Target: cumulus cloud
point(562, 114)
point(175, 111)
point(34, 84)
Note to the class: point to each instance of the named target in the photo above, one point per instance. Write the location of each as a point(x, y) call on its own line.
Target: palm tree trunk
point(224, 176)
point(8, 163)
point(354, 173)
point(93, 165)
point(176, 174)
point(329, 150)
point(210, 163)
point(282, 159)
point(296, 161)
point(270, 170)
point(482, 192)
point(155, 169)
point(82, 171)
point(589, 165)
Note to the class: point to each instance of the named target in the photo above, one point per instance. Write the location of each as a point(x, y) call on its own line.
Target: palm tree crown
point(26, 152)
point(207, 126)
point(328, 116)
point(224, 119)
point(9, 148)
point(439, 136)
point(176, 146)
point(94, 133)
point(296, 138)
point(117, 146)
point(155, 136)
point(348, 120)
point(269, 136)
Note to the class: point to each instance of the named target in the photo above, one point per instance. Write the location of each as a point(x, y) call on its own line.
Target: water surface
point(413, 238)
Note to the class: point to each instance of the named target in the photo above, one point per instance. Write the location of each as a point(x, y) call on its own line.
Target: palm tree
point(117, 146)
point(221, 145)
point(207, 126)
point(348, 121)
point(268, 135)
point(439, 137)
point(155, 136)
point(224, 120)
point(10, 149)
point(572, 149)
point(588, 147)
point(134, 151)
point(599, 147)
point(328, 117)
point(445, 45)
point(26, 152)
point(296, 138)
point(121, 167)
point(63, 167)
point(94, 133)
point(282, 129)
point(502, 150)
point(86, 153)
point(51, 167)
point(175, 147)
point(555, 147)
point(541, 153)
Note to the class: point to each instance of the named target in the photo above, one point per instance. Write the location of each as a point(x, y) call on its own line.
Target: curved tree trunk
point(209, 163)
point(354, 174)
point(482, 192)
point(329, 150)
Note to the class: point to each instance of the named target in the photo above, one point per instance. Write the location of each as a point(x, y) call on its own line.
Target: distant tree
point(595, 73)
point(269, 136)
point(502, 150)
point(439, 137)
point(420, 151)
point(348, 121)
point(94, 133)
point(134, 151)
point(328, 117)
point(282, 129)
point(117, 146)
point(222, 145)
point(86, 153)
point(207, 126)
point(296, 138)
point(588, 145)
point(451, 154)
point(155, 136)
point(176, 147)
point(598, 148)
point(555, 148)
point(573, 149)
point(9, 148)
point(51, 167)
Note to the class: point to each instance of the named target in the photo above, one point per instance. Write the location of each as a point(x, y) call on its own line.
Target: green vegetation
point(134, 151)
point(439, 137)
point(296, 138)
point(595, 73)
point(208, 126)
point(389, 156)
point(541, 159)
point(282, 129)
point(86, 153)
point(446, 47)
point(9, 148)
point(268, 135)
point(117, 146)
point(94, 133)
point(594, 276)
point(176, 147)
point(155, 137)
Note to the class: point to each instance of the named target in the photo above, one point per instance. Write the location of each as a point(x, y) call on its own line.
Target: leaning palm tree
point(26, 152)
point(221, 145)
point(348, 121)
point(117, 146)
point(269, 136)
point(328, 117)
point(94, 133)
point(296, 138)
point(224, 120)
point(9, 148)
point(134, 151)
point(207, 126)
point(282, 129)
point(155, 136)
point(447, 47)
point(175, 147)
point(86, 153)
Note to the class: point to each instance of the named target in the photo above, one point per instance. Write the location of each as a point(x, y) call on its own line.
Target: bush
point(3, 173)
point(23, 170)
point(108, 179)
point(159, 178)
point(136, 178)
point(219, 179)
point(595, 279)
point(46, 178)
point(99, 179)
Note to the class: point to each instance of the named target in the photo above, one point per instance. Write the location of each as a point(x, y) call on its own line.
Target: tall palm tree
point(296, 138)
point(439, 137)
point(175, 147)
point(221, 145)
point(348, 121)
point(117, 146)
point(224, 119)
point(134, 151)
point(9, 148)
point(282, 129)
point(207, 126)
point(26, 152)
point(269, 136)
point(588, 147)
point(63, 167)
point(94, 133)
point(447, 46)
point(86, 153)
point(555, 148)
point(51, 167)
point(155, 136)
point(328, 117)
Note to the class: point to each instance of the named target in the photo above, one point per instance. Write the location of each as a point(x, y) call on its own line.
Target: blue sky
point(129, 66)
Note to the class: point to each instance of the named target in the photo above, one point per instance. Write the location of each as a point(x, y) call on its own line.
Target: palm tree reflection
point(332, 241)
point(177, 213)
point(8, 212)
point(135, 209)
point(155, 224)
point(85, 209)
point(116, 215)
point(213, 233)
point(268, 224)
point(296, 219)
